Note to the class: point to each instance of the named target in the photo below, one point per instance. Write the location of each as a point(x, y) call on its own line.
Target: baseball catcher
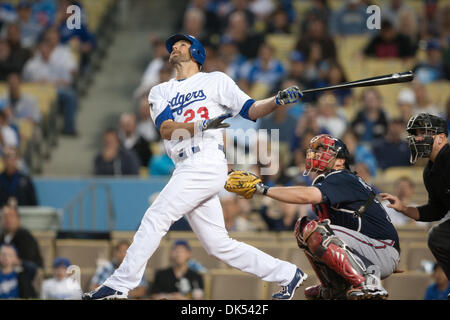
point(352, 244)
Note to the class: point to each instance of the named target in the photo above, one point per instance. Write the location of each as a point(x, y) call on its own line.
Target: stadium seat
point(86, 275)
point(47, 249)
point(416, 253)
point(176, 235)
point(297, 256)
point(283, 45)
point(160, 259)
point(439, 93)
point(83, 253)
point(254, 236)
point(407, 286)
point(232, 285)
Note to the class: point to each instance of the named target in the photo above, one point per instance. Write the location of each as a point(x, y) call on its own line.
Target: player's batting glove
point(289, 95)
point(214, 123)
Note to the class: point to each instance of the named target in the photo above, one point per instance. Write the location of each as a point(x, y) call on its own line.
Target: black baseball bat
point(369, 82)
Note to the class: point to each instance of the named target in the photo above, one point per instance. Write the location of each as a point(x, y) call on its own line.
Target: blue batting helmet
point(197, 50)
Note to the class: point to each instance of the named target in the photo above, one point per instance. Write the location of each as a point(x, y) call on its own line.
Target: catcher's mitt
point(242, 182)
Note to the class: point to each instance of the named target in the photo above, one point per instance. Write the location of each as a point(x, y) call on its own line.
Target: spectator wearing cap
point(105, 271)
point(178, 282)
point(392, 150)
point(15, 277)
point(14, 183)
point(22, 239)
point(388, 43)
point(61, 286)
point(432, 69)
point(296, 70)
point(30, 30)
point(86, 40)
point(440, 288)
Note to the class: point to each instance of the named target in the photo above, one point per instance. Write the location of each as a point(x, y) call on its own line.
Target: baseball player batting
point(189, 112)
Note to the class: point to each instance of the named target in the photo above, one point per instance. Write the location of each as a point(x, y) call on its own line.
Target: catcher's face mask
point(320, 155)
point(420, 139)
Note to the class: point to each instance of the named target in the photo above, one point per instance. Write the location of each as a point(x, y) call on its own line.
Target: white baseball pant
point(192, 191)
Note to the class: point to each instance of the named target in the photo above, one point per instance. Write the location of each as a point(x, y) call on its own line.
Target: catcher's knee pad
point(324, 245)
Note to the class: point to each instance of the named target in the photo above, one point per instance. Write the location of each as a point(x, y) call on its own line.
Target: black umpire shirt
point(436, 177)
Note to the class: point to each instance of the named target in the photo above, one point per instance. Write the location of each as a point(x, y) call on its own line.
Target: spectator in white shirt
point(61, 286)
point(55, 64)
point(8, 137)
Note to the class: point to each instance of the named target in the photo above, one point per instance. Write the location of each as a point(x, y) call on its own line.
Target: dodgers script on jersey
point(199, 97)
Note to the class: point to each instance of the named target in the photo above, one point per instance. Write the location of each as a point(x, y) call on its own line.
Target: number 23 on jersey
point(190, 114)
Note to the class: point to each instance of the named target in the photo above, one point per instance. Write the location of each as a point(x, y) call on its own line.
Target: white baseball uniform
point(200, 173)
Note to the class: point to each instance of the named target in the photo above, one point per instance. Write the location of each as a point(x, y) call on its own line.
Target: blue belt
point(183, 154)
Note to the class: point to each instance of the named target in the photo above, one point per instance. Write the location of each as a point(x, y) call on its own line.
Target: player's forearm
point(296, 195)
point(411, 212)
point(171, 130)
point(262, 108)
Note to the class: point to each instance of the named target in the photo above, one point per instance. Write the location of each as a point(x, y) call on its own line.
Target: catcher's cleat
point(104, 293)
point(287, 292)
point(364, 293)
point(320, 292)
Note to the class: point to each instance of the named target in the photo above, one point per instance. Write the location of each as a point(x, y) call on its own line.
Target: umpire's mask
point(421, 130)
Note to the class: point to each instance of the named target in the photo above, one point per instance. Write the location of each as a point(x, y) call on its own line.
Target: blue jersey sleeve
point(335, 188)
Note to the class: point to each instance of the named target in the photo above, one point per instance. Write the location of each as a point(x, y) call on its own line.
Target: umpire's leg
point(439, 243)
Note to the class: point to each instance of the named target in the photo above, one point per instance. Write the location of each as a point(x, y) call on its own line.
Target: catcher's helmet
point(421, 128)
point(322, 150)
point(198, 53)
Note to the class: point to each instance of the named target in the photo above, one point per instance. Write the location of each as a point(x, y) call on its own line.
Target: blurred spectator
point(132, 141)
point(279, 216)
point(22, 106)
point(390, 44)
point(114, 160)
point(307, 125)
point(55, 64)
point(30, 30)
point(392, 150)
point(214, 17)
point(329, 117)
point(335, 75)
point(371, 121)
point(430, 19)
point(433, 68)
point(394, 9)
point(20, 54)
point(278, 23)
point(178, 282)
point(15, 183)
point(262, 9)
point(319, 9)
point(296, 70)
point(265, 69)
point(404, 189)
point(8, 62)
point(7, 14)
point(406, 100)
point(238, 30)
point(351, 19)
point(25, 243)
point(229, 53)
point(15, 279)
point(447, 113)
point(151, 74)
point(243, 7)
point(8, 136)
point(146, 128)
point(317, 34)
point(360, 153)
point(423, 101)
point(440, 289)
point(105, 271)
point(407, 24)
point(193, 24)
point(85, 40)
point(363, 172)
point(61, 286)
point(160, 163)
point(44, 11)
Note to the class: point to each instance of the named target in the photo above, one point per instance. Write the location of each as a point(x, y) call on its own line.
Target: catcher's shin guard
point(332, 251)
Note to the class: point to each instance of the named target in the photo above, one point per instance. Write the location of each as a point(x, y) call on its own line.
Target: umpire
point(428, 138)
